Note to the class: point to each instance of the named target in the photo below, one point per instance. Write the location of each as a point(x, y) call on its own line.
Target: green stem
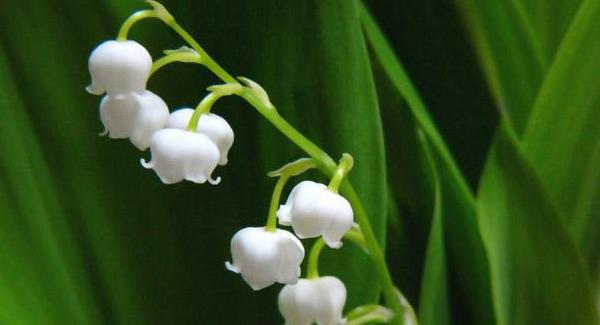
point(387, 285)
point(272, 218)
point(142, 14)
point(202, 108)
point(169, 21)
point(357, 237)
point(323, 161)
point(207, 60)
point(312, 269)
point(189, 57)
point(328, 167)
point(346, 163)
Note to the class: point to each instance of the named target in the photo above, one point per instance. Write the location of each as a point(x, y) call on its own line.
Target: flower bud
point(263, 257)
point(119, 67)
point(313, 210)
point(180, 154)
point(211, 125)
point(309, 301)
point(136, 116)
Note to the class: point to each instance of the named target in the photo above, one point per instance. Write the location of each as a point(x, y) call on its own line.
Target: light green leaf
point(537, 273)
point(562, 136)
point(434, 305)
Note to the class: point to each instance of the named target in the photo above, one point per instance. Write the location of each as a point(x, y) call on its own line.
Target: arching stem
point(272, 218)
point(323, 161)
point(312, 269)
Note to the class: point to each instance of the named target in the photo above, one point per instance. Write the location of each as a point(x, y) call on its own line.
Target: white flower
point(119, 67)
point(179, 154)
point(263, 257)
point(313, 210)
point(136, 116)
point(212, 125)
point(319, 300)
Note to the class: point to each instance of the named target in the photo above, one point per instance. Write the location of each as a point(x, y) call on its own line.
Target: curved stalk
point(323, 161)
point(272, 218)
point(312, 269)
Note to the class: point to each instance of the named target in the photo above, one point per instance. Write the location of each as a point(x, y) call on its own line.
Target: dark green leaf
point(510, 53)
point(470, 282)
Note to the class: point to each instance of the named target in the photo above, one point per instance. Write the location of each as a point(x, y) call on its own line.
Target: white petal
point(231, 267)
point(319, 300)
point(118, 114)
point(119, 67)
point(179, 119)
point(179, 155)
point(261, 257)
point(146, 164)
point(152, 116)
point(313, 210)
point(219, 131)
point(214, 181)
point(292, 302)
point(283, 215)
point(285, 210)
point(331, 296)
point(292, 254)
point(212, 125)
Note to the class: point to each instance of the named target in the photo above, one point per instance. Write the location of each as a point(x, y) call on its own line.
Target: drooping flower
point(211, 125)
point(320, 300)
point(180, 154)
point(135, 116)
point(119, 68)
point(313, 210)
point(263, 257)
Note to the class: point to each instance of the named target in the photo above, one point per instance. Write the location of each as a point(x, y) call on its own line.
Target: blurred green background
point(88, 236)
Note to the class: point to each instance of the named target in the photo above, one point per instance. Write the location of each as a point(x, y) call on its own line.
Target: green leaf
point(466, 254)
point(510, 53)
point(549, 20)
point(38, 261)
point(516, 41)
point(562, 136)
point(434, 307)
point(537, 273)
point(310, 68)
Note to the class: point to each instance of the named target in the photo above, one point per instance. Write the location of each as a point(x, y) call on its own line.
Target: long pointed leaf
point(537, 273)
point(470, 282)
point(562, 136)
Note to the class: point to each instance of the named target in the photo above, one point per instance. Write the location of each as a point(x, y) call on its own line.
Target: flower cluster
point(120, 70)
point(189, 144)
point(265, 255)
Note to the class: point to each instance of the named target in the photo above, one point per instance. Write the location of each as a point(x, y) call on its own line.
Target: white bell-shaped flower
point(263, 257)
point(313, 210)
point(212, 125)
point(180, 154)
point(118, 115)
point(152, 116)
point(119, 67)
point(136, 116)
point(309, 301)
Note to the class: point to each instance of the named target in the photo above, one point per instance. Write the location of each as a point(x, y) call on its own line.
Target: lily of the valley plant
point(189, 144)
